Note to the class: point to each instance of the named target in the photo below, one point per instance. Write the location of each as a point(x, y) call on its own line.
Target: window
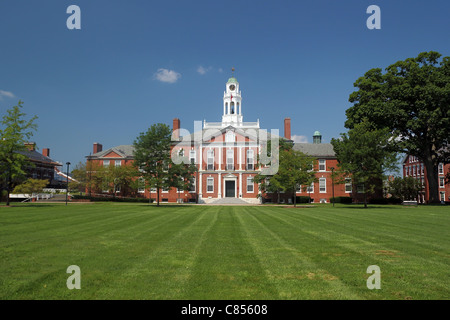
point(192, 185)
point(250, 158)
point(105, 163)
point(322, 185)
point(442, 196)
point(117, 187)
point(210, 159)
point(441, 182)
point(421, 168)
point(441, 168)
point(250, 184)
point(322, 165)
point(210, 184)
point(407, 171)
point(348, 185)
point(141, 185)
point(117, 163)
point(414, 170)
point(310, 189)
point(192, 156)
point(230, 137)
point(299, 188)
point(230, 159)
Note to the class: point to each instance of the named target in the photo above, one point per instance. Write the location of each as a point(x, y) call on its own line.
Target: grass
point(139, 251)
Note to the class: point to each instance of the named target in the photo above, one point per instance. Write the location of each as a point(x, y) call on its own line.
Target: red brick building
point(226, 156)
point(413, 167)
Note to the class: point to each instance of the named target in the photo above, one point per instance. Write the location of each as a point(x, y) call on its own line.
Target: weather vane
point(232, 71)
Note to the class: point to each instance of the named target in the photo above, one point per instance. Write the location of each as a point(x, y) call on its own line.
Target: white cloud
point(7, 94)
point(165, 75)
point(299, 139)
point(202, 70)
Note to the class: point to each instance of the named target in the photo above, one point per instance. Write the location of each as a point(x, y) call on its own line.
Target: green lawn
point(139, 251)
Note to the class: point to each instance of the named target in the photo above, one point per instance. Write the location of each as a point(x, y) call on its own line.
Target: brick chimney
point(97, 147)
point(176, 127)
point(287, 128)
point(46, 152)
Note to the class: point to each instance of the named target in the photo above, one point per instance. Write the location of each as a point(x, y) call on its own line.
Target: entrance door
point(229, 189)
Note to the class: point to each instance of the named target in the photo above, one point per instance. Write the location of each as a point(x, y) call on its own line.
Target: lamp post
point(67, 183)
point(332, 182)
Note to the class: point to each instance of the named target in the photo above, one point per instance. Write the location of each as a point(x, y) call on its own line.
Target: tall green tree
point(153, 158)
point(412, 100)
point(364, 154)
point(295, 169)
point(15, 131)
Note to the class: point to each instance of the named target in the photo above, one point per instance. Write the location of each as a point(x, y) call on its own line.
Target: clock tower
point(232, 104)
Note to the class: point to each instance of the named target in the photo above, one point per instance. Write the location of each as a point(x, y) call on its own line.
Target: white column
point(220, 158)
point(240, 157)
point(224, 105)
point(240, 185)
point(219, 183)
point(200, 184)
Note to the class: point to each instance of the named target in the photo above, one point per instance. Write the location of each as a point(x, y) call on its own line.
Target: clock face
point(232, 87)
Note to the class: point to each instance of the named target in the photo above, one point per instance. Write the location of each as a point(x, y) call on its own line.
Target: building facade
point(226, 154)
point(413, 167)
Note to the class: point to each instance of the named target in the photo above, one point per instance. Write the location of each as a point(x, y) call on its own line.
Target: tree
point(364, 154)
point(295, 169)
point(31, 186)
point(407, 188)
point(412, 100)
point(14, 133)
point(152, 156)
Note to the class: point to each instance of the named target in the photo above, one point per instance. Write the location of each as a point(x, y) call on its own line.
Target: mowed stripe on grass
point(138, 251)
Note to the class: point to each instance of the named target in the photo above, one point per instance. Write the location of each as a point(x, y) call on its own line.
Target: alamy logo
point(74, 281)
point(268, 145)
point(374, 281)
point(74, 21)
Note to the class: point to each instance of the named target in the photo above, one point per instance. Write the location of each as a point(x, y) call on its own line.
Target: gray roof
point(35, 156)
point(324, 150)
point(125, 150)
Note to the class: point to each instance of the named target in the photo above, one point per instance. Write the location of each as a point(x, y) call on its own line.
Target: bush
point(345, 200)
point(111, 199)
point(303, 199)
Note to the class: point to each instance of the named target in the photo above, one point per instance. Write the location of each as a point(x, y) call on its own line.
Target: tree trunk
point(433, 180)
point(295, 198)
point(157, 197)
point(8, 189)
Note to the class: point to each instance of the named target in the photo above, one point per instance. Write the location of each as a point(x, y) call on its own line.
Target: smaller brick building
point(413, 167)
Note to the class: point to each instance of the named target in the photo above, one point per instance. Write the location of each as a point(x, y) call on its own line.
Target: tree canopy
point(364, 154)
point(14, 133)
point(412, 100)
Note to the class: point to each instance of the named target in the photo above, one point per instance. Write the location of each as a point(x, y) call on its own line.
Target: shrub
point(111, 199)
point(303, 199)
point(341, 200)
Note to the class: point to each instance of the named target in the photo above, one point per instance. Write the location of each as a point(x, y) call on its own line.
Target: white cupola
point(232, 104)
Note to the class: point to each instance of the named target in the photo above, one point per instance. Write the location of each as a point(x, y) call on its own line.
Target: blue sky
point(296, 59)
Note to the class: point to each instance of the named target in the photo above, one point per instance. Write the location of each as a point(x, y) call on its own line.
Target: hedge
point(111, 199)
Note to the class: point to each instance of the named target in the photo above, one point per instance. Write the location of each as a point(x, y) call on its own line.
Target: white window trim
point(210, 179)
point(349, 183)
point(229, 151)
point(117, 163)
point(324, 165)
point(325, 180)
point(208, 157)
point(441, 168)
point(195, 186)
point(251, 184)
point(441, 179)
point(311, 187)
point(106, 163)
point(252, 158)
